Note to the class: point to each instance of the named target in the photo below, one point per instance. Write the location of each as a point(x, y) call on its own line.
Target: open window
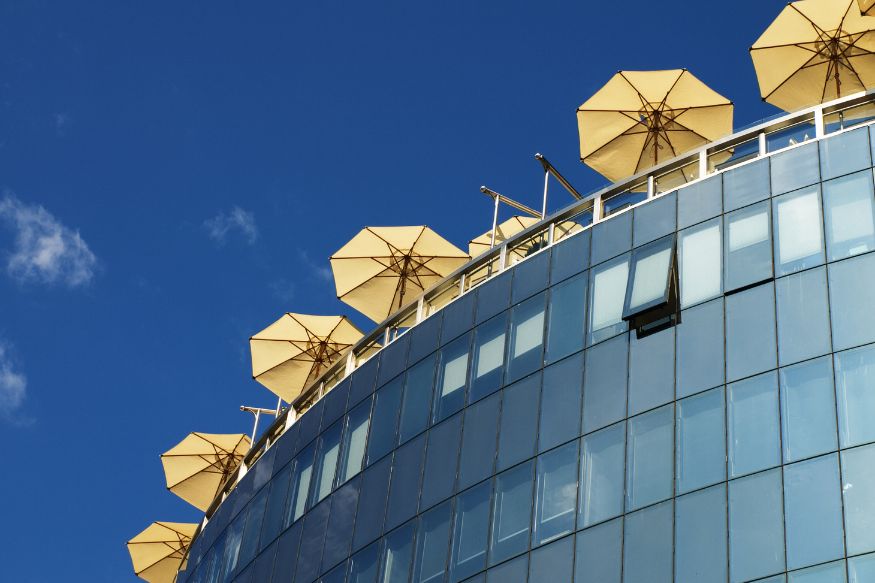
point(652, 295)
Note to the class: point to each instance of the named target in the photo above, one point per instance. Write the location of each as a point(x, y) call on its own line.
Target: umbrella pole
point(279, 406)
point(544, 204)
point(494, 221)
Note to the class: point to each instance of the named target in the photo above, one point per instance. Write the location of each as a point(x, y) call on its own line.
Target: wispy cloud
point(62, 122)
point(13, 385)
point(320, 271)
point(283, 289)
point(45, 251)
point(221, 225)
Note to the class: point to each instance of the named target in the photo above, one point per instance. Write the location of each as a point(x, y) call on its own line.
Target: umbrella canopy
point(158, 551)
point(815, 51)
point(867, 7)
point(293, 351)
point(640, 118)
point(381, 268)
point(197, 466)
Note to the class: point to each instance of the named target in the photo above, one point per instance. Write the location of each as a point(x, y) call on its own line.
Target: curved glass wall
point(528, 435)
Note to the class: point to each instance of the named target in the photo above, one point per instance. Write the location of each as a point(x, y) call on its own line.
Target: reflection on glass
point(647, 545)
point(701, 263)
point(451, 376)
point(406, 480)
point(855, 377)
point(526, 338)
point(701, 453)
point(756, 526)
point(700, 348)
point(849, 215)
point(556, 494)
point(746, 184)
point(515, 571)
point(511, 513)
point(649, 280)
point(570, 257)
point(750, 332)
point(488, 357)
point(416, 405)
point(604, 384)
point(650, 455)
point(363, 565)
point(858, 489)
point(799, 231)
point(599, 552)
point(747, 246)
point(470, 532)
point(614, 237)
point(566, 323)
point(700, 523)
point(607, 292)
point(300, 484)
point(862, 569)
point(326, 465)
point(552, 562)
point(753, 425)
point(396, 555)
point(803, 316)
point(601, 475)
point(700, 201)
point(276, 505)
point(850, 301)
point(354, 440)
point(560, 402)
point(844, 153)
point(432, 542)
point(651, 374)
point(440, 464)
point(530, 276)
point(831, 573)
point(384, 420)
point(808, 419)
point(478, 442)
point(252, 531)
point(519, 421)
point(795, 168)
point(654, 220)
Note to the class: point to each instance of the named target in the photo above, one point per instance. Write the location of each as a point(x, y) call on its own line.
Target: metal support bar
point(497, 200)
point(257, 411)
point(551, 234)
point(546, 186)
point(511, 202)
point(552, 170)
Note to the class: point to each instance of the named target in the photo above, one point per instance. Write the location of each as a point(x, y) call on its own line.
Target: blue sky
point(174, 175)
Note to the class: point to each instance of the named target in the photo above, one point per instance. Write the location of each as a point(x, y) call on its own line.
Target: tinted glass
point(858, 488)
point(287, 553)
point(363, 380)
point(432, 544)
point(604, 385)
point(607, 292)
point(471, 527)
point(611, 238)
point(570, 257)
point(552, 562)
point(363, 566)
point(530, 276)
point(451, 378)
point(514, 571)
point(803, 316)
point(795, 168)
point(556, 494)
point(849, 215)
point(393, 359)
point(756, 527)
point(424, 338)
point(647, 545)
point(337, 575)
point(747, 246)
point(700, 548)
point(458, 317)
point(651, 374)
point(701, 263)
point(654, 220)
point(276, 506)
point(746, 184)
point(416, 404)
point(700, 202)
point(252, 531)
point(701, 449)
point(560, 402)
point(855, 371)
point(354, 440)
point(384, 420)
point(397, 555)
point(850, 300)
point(700, 348)
point(750, 332)
point(312, 537)
point(511, 514)
point(338, 535)
point(406, 474)
point(831, 573)
point(567, 320)
point(650, 447)
point(753, 425)
point(335, 404)
point(862, 569)
point(493, 297)
point(479, 442)
point(487, 360)
point(526, 338)
point(326, 462)
point(519, 422)
point(798, 230)
point(440, 466)
point(598, 553)
point(845, 153)
point(602, 469)
point(808, 419)
point(372, 503)
point(300, 484)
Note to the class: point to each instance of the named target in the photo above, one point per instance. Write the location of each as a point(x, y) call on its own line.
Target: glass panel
point(849, 215)
point(397, 555)
point(452, 374)
point(416, 405)
point(701, 446)
point(803, 316)
point(570, 257)
point(602, 475)
point(795, 168)
point(700, 263)
point(511, 572)
point(750, 332)
point(458, 317)
point(858, 489)
point(487, 362)
point(850, 300)
point(364, 565)
point(335, 404)
point(747, 246)
point(831, 573)
point(276, 505)
point(651, 378)
point(654, 220)
point(393, 359)
point(862, 569)
point(553, 562)
point(844, 154)
point(791, 136)
point(700, 202)
point(599, 551)
point(753, 425)
point(855, 393)
point(649, 280)
point(700, 348)
point(604, 385)
point(526, 338)
point(611, 238)
point(700, 546)
point(286, 556)
point(406, 474)
point(607, 292)
point(560, 402)
point(530, 276)
point(310, 553)
point(309, 423)
point(756, 527)
point(424, 339)
point(479, 442)
point(813, 512)
point(326, 464)
point(650, 456)
point(567, 321)
point(556, 494)
point(511, 515)
point(808, 413)
point(432, 545)
point(354, 440)
point(519, 422)
point(470, 532)
point(363, 380)
point(440, 466)
point(300, 485)
point(799, 231)
point(384, 420)
point(493, 297)
point(647, 548)
point(337, 575)
point(338, 535)
point(372, 503)
point(233, 540)
point(746, 184)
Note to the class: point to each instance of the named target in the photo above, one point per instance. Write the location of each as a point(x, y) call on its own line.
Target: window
point(651, 378)
point(416, 405)
point(795, 168)
point(650, 455)
point(530, 276)
point(515, 571)
point(233, 539)
point(300, 484)
point(799, 231)
point(570, 257)
point(701, 263)
point(393, 359)
point(612, 238)
point(397, 555)
point(607, 292)
point(700, 348)
point(363, 565)
point(831, 573)
point(560, 402)
point(849, 215)
point(654, 220)
point(511, 515)
point(700, 202)
point(287, 555)
point(432, 544)
point(756, 527)
point(747, 246)
point(862, 569)
point(526, 337)
point(458, 317)
point(470, 532)
point(337, 575)
point(519, 422)
point(652, 291)
point(556, 494)
point(604, 384)
point(326, 463)
point(552, 562)
point(746, 184)
point(750, 332)
point(372, 503)
point(803, 316)
point(493, 297)
point(753, 425)
point(858, 489)
point(362, 381)
point(424, 338)
point(647, 547)
point(441, 457)
point(487, 362)
point(452, 374)
point(599, 551)
point(700, 550)
point(338, 535)
point(354, 439)
point(312, 536)
point(566, 322)
point(855, 371)
point(808, 413)
point(701, 449)
point(276, 505)
point(384, 420)
point(850, 301)
point(406, 473)
point(477, 457)
point(844, 153)
point(602, 475)
point(813, 512)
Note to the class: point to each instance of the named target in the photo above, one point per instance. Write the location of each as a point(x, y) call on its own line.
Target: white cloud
point(238, 219)
point(320, 271)
point(13, 384)
point(45, 251)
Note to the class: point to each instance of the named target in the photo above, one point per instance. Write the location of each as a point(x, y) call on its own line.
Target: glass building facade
point(524, 434)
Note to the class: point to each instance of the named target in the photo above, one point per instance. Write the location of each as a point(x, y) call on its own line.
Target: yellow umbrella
point(158, 551)
point(197, 466)
point(815, 51)
point(640, 118)
point(511, 227)
point(867, 7)
point(293, 351)
point(382, 268)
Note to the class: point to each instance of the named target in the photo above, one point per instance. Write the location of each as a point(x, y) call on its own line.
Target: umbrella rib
point(784, 82)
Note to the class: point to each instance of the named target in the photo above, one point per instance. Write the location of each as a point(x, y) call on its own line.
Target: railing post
point(419, 305)
point(350, 362)
point(551, 234)
point(502, 258)
point(651, 186)
point(703, 163)
point(819, 128)
point(546, 185)
point(462, 284)
point(762, 143)
point(597, 209)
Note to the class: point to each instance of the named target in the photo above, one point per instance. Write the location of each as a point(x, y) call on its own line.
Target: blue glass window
point(511, 514)
point(338, 535)
point(363, 566)
point(651, 374)
point(515, 571)
point(607, 293)
point(611, 238)
point(312, 537)
point(750, 332)
point(599, 552)
point(471, 528)
point(487, 362)
point(566, 321)
point(493, 296)
point(363, 380)
point(432, 545)
point(424, 339)
point(372, 503)
point(526, 338)
point(384, 420)
point(700, 348)
point(654, 220)
point(393, 359)
point(844, 153)
point(855, 393)
point(756, 527)
point(831, 573)
point(286, 555)
point(604, 385)
point(650, 468)
point(556, 494)
point(479, 439)
point(406, 475)
point(858, 489)
point(862, 569)
point(747, 246)
point(808, 413)
point(570, 257)
point(519, 422)
point(850, 300)
point(700, 548)
point(701, 263)
point(552, 562)
point(700, 201)
point(849, 215)
point(300, 484)
point(602, 470)
point(647, 545)
point(326, 463)
point(795, 168)
point(701, 449)
point(803, 316)
point(416, 404)
point(440, 465)
point(753, 425)
point(451, 378)
point(560, 402)
point(458, 317)
point(397, 555)
point(798, 230)
point(354, 440)
point(530, 276)
point(746, 184)
point(276, 505)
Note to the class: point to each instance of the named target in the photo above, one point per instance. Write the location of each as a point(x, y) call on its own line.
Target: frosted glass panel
point(701, 449)
point(808, 409)
point(701, 263)
point(748, 248)
point(756, 527)
point(753, 425)
point(650, 456)
point(749, 230)
point(601, 479)
point(651, 276)
point(799, 240)
point(608, 294)
point(850, 215)
point(858, 488)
